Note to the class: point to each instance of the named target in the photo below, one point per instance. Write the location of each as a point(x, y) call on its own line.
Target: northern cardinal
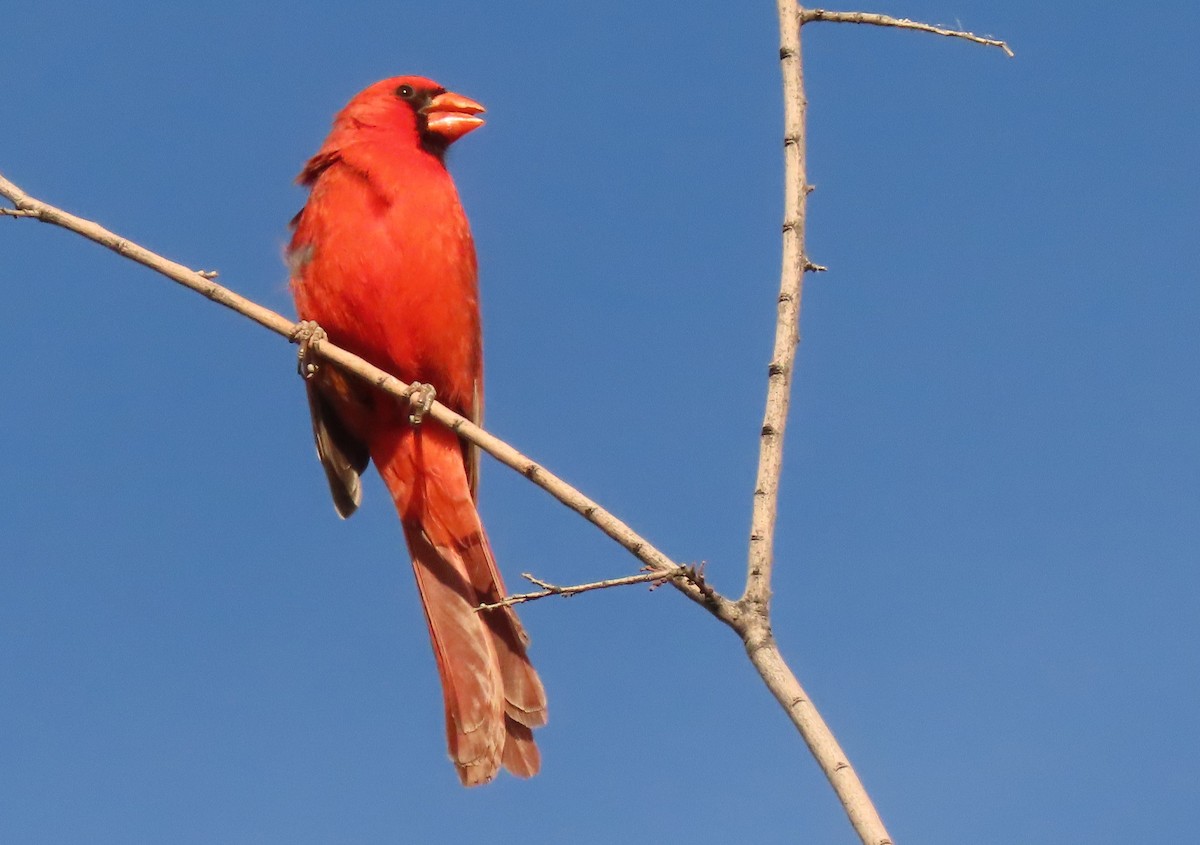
point(382, 259)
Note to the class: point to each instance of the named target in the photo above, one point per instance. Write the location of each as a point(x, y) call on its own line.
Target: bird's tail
point(493, 696)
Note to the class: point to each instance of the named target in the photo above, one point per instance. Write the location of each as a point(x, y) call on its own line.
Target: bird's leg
point(309, 335)
point(421, 399)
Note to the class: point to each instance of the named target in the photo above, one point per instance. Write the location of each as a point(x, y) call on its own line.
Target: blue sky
point(991, 510)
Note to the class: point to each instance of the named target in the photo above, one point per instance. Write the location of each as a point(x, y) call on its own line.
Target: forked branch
point(749, 616)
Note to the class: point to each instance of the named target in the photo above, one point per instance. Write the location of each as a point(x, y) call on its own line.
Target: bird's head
point(415, 107)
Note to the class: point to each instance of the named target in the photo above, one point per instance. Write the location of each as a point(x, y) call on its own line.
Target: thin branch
point(548, 589)
point(27, 206)
point(638, 546)
point(757, 595)
point(819, 15)
point(694, 575)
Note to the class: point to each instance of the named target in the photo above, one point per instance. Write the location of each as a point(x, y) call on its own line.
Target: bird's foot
point(309, 335)
point(421, 399)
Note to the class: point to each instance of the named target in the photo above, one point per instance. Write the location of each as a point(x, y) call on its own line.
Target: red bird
point(382, 258)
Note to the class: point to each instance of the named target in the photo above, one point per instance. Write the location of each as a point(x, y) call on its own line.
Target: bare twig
point(819, 15)
point(692, 574)
point(548, 589)
point(637, 545)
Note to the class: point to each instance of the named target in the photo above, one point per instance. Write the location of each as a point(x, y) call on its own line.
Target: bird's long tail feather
point(492, 694)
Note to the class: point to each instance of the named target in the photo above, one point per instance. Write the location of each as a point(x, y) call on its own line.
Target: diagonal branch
point(818, 15)
point(654, 560)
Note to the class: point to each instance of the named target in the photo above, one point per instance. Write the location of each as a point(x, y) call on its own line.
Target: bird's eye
point(405, 92)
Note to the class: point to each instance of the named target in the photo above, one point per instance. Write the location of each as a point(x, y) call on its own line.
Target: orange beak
point(450, 116)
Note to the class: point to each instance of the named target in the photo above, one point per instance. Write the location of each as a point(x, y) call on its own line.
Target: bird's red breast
point(382, 256)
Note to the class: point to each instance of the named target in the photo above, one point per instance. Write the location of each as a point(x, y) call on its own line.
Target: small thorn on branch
point(208, 274)
point(809, 267)
point(545, 585)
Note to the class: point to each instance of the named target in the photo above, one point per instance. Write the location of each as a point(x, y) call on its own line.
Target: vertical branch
point(753, 622)
point(757, 595)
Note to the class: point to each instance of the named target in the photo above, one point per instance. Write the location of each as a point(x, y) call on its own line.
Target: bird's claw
point(421, 399)
point(309, 335)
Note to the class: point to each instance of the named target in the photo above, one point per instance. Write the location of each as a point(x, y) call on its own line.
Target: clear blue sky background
point(988, 538)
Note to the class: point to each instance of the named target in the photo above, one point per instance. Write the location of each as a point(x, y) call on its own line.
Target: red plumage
point(382, 258)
